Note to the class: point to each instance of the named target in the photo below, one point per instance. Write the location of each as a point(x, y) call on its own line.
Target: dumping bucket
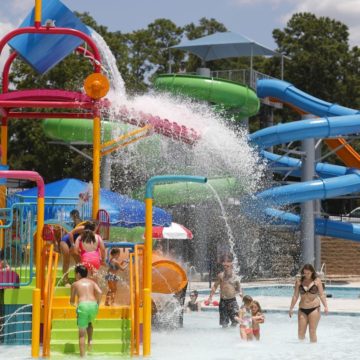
point(43, 52)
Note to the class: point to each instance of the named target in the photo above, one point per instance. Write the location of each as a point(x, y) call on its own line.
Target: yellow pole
point(37, 12)
point(35, 340)
point(147, 277)
point(96, 165)
point(147, 323)
point(39, 242)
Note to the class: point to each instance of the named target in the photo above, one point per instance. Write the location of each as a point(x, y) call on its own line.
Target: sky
point(253, 18)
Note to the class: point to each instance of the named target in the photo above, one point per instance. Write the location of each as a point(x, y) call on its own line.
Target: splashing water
point(117, 86)
point(229, 231)
point(220, 152)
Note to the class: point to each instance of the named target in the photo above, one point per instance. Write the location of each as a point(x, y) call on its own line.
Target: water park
point(230, 205)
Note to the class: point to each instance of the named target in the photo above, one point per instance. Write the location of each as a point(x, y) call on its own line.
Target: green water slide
point(239, 99)
point(81, 130)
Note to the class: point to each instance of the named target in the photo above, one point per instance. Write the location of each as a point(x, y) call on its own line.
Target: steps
point(112, 328)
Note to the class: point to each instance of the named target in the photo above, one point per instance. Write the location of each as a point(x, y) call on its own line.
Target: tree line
point(320, 61)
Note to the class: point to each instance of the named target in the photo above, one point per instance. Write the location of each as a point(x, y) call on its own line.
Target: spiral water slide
point(334, 122)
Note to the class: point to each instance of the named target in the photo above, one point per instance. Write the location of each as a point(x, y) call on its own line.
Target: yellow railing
point(49, 289)
point(135, 298)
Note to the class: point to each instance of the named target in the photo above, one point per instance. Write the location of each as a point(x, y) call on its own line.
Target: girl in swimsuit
point(115, 264)
point(245, 319)
point(91, 249)
point(311, 292)
point(257, 318)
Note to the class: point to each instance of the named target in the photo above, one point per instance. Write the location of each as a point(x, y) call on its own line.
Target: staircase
point(112, 328)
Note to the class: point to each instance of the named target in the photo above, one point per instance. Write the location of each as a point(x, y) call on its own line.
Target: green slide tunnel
point(81, 130)
point(230, 95)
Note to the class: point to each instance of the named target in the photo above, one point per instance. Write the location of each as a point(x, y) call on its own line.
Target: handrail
point(137, 300)
point(132, 303)
point(48, 294)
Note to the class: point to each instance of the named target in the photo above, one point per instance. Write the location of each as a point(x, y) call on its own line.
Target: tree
point(149, 50)
point(319, 50)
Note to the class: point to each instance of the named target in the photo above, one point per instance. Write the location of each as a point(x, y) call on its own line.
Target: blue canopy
point(63, 195)
point(223, 45)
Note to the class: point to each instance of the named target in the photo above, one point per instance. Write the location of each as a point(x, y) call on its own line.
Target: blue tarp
point(63, 195)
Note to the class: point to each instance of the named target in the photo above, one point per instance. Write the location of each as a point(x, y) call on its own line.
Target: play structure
point(36, 309)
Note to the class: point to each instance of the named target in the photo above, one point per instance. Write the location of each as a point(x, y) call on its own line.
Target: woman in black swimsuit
point(311, 292)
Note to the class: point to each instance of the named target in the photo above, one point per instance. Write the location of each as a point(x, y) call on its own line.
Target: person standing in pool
point(229, 287)
point(89, 297)
point(311, 292)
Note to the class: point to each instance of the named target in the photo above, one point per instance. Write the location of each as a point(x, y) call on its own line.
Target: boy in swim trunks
point(89, 297)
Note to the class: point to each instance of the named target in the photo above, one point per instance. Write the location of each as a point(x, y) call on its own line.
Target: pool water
point(203, 339)
point(336, 292)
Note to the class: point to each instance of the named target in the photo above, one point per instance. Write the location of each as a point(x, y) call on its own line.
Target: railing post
point(35, 338)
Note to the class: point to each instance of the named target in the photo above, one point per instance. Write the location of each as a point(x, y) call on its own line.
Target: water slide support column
point(307, 226)
point(317, 209)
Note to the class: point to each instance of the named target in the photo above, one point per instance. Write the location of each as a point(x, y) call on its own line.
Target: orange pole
point(96, 165)
point(39, 242)
point(37, 13)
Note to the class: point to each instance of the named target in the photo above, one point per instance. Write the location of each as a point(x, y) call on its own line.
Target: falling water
point(229, 231)
point(220, 152)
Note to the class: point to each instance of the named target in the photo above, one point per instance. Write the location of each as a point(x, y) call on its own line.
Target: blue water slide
point(337, 180)
point(288, 93)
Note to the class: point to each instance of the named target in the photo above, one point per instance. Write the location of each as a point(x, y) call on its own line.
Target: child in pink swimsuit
point(91, 249)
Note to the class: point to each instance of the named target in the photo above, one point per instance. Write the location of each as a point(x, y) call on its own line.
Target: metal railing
point(17, 228)
point(244, 76)
point(48, 295)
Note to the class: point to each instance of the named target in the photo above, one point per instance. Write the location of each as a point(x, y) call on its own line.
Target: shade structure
point(223, 45)
point(174, 231)
point(63, 195)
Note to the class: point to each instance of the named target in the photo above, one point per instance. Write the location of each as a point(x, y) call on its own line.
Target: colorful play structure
point(35, 309)
point(29, 264)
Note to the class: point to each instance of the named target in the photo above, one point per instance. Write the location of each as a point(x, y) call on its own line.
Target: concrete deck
point(282, 304)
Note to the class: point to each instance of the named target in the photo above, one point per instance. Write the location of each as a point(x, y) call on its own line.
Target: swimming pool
point(203, 339)
point(336, 292)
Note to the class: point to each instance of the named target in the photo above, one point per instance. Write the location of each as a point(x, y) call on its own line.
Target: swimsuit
point(246, 320)
point(90, 259)
point(66, 239)
point(308, 311)
point(192, 306)
point(86, 313)
point(228, 309)
point(112, 277)
point(312, 289)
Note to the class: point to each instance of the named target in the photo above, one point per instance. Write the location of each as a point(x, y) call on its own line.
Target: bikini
point(313, 289)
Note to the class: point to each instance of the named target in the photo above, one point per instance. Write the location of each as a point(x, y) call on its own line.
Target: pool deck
point(281, 304)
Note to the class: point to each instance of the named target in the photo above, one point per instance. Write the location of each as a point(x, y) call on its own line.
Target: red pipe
point(45, 115)
point(25, 175)
point(45, 104)
point(6, 70)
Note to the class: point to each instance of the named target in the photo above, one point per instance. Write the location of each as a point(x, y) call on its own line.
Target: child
point(115, 264)
point(245, 319)
point(193, 305)
point(89, 297)
point(257, 319)
point(91, 249)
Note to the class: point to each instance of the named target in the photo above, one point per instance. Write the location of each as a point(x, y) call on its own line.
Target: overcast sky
point(253, 18)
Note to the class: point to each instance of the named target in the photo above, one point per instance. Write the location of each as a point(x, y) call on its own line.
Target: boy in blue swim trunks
point(89, 297)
